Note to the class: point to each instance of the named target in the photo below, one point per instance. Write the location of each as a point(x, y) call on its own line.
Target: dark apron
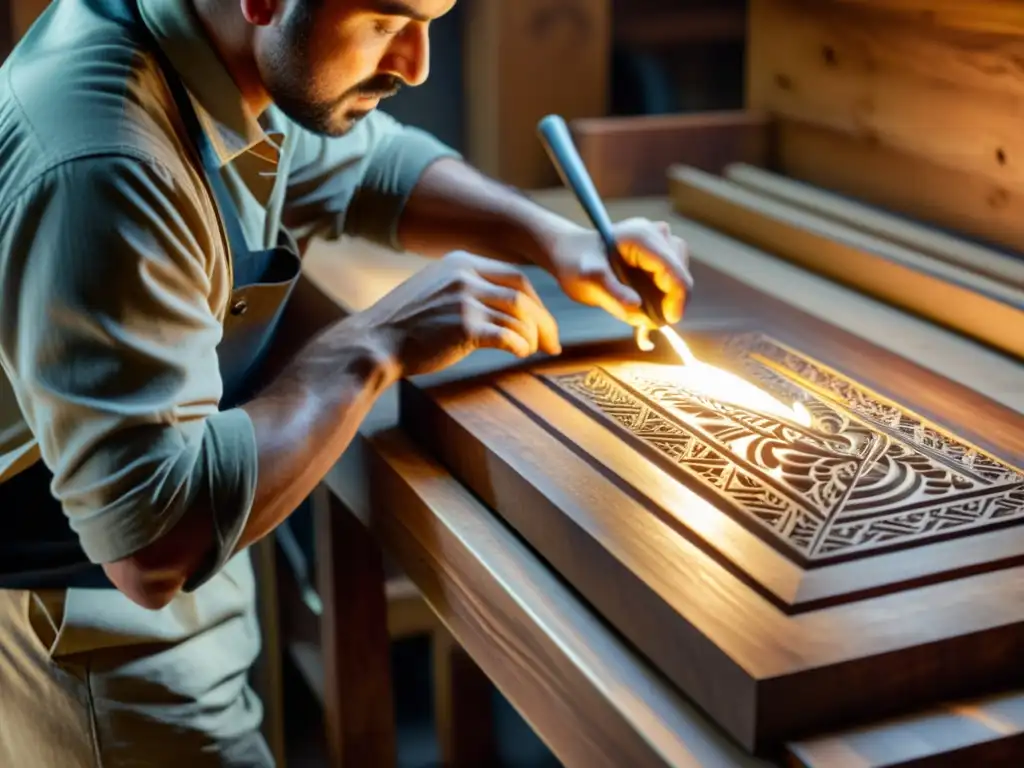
point(38, 549)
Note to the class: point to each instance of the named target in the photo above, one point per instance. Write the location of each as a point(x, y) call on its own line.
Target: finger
point(493, 336)
point(666, 262)
point(595, 293)
point(499, 301)
point(505, 274)
point(524, 305)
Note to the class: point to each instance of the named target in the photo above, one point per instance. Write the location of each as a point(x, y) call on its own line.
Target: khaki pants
point(90, 680)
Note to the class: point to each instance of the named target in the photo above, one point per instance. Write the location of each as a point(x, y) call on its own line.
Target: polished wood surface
point(980, 732)
point(628, 156)
point(453, 548)
point(581, 688)
point(767, 672)
point(911, 106)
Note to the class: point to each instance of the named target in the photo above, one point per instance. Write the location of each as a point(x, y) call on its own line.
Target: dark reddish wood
point(629, 156)
point(355, 644)
point(720, 609)
point(981, 732)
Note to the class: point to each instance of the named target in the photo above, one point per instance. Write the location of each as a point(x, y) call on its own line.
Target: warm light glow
point(703, 379)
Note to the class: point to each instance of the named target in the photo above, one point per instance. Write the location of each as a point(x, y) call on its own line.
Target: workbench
point(590, 696)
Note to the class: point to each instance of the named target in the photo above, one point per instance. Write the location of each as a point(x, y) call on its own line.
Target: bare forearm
point(308, 416)
point(455, 207)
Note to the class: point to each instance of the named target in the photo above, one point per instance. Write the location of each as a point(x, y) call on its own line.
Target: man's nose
point(409, 56)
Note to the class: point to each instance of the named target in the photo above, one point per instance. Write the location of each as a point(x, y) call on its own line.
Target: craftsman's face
point(328, 63)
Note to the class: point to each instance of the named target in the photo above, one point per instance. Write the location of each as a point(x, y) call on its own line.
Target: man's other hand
point(456, 305)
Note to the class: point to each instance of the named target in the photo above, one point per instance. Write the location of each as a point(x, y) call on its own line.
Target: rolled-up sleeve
point(358, 184)
point(109, 339)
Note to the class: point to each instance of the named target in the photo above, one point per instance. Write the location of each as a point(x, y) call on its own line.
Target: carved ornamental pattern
point(865, 476)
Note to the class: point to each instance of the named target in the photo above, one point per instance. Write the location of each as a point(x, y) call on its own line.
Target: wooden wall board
point(980, 307)
point(524, 60)
point(628, 156)
point(929, 241)
point(618, 533)
point(889, 81)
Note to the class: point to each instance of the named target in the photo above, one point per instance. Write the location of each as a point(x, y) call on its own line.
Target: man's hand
point(457, 305)
point(579, 260)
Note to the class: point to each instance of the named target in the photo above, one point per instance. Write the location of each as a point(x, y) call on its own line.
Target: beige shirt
point(115, 276)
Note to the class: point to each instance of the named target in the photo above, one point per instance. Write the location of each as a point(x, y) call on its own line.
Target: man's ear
point(259, 13)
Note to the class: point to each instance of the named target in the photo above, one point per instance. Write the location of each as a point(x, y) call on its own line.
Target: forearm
point(308, 416)
point(455, 207)
point(302, 423)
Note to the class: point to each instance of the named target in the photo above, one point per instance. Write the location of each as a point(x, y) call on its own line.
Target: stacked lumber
point(973, 289)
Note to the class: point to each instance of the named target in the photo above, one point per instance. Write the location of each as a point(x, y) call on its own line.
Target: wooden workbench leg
point(358, 708)
point(463, 713)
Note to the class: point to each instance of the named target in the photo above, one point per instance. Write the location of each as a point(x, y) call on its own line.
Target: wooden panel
point(525, 60)
point(663, 518)
point(628, 156)
point(937, 100)
point(981, 732)
point(24, 13)
point(972, 304)
point(897, 229)
point(581, 688)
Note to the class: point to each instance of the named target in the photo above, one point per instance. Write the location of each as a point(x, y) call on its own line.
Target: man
point(159, 161)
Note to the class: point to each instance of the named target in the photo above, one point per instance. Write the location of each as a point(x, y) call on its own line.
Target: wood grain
point(926, 240)
point(978, 732)
point(980, 307)
point(358, 706)
point(580, 687)
point(762, 673)
point(628, 156)
point(941, 100)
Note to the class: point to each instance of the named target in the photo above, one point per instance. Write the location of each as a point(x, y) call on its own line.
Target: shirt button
point(239, 307)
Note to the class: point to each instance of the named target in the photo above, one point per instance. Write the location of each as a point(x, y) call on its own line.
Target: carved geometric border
point(859, 440)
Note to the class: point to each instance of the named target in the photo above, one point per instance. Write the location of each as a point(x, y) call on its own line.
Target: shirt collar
point(217, 100)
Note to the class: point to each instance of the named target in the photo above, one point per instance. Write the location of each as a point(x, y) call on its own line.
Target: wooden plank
point(986, 731)
point(582, 689)
point(872, 220)
point(628, 156)
point(998, 16)
point(929, 97)
point(981, 308)
point(525, 60)
point(910, 185)
point(762, 672)
point(358, 706)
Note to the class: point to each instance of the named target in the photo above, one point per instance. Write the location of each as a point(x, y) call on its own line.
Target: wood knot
point(998, 198)
point(784, 82)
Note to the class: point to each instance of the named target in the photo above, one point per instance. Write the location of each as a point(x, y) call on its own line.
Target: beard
point(287, 70)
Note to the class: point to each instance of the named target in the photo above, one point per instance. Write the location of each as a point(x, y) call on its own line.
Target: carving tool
point(557, 140)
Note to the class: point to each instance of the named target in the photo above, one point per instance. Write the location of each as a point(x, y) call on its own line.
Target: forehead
point(419, 10)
